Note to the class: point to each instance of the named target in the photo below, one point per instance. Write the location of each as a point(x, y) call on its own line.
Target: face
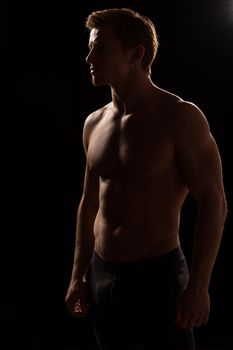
point(108, 61)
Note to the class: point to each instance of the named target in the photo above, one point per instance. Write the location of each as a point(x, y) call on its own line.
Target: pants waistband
point(156, 261)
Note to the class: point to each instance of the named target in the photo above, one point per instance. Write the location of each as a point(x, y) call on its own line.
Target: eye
point(98, 49)
point(101, 47)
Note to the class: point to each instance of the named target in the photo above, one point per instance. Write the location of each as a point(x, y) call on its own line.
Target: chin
point(98, 82)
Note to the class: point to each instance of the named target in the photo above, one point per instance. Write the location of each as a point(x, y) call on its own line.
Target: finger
point(186, 323)
point(79, 312)
point(181, 320)
point(198, 323)
point(206, 319)
point(81, 308)
point(177, 315)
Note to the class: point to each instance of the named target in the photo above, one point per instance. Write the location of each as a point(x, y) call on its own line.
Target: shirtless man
point(145, 150)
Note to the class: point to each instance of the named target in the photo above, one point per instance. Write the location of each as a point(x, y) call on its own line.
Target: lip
point(93, 70)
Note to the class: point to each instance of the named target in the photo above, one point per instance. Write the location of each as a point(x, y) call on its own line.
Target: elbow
point(215, 205)
point(221, 209)
point(224, 207)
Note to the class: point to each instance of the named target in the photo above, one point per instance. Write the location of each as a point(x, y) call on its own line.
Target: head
point(131, 29)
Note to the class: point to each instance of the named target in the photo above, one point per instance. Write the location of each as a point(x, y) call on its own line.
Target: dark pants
point(132, 304)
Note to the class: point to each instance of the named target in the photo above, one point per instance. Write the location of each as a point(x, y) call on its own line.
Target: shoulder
point(176, 103)
point(189, 118)
point(92, 121)
point(185, 120)
point(180, 112)
point(96, 116)
point(190, 128)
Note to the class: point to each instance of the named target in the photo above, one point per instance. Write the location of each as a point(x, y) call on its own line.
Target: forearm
point(82, 258)
point(207, 240)
point(85, 240)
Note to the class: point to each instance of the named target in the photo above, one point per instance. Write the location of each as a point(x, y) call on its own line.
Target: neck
point(131, 95)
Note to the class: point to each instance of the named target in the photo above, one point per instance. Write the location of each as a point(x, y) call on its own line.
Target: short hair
point(131, 28)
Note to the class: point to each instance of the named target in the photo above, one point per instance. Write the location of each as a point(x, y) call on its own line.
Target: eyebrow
point(97, 42)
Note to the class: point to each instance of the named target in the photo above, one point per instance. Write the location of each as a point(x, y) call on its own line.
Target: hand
point(193, 308)
point(76, 299)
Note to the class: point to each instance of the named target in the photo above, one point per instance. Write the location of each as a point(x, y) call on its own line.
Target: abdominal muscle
point(135, 223)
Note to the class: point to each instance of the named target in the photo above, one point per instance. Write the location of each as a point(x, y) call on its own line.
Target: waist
point(134, 245)
point(167, 259)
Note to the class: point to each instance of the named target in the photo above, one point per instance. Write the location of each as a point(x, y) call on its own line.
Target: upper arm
point(91, 180)
point(91, 187)
point(197, 153)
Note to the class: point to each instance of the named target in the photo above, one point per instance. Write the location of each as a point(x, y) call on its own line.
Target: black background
point(46, 96)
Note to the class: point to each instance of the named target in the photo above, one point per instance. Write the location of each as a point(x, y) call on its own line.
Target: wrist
point(79, 278)
point(198, 283)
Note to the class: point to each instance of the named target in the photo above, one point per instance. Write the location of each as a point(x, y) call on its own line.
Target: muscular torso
point(140, 187)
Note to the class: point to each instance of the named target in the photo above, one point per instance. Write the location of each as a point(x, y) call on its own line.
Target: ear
point(137, 53)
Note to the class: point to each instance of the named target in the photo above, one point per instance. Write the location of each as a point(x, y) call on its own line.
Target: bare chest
point(129, 146)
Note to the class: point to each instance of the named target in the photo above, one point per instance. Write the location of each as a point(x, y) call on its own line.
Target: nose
point(89, 57)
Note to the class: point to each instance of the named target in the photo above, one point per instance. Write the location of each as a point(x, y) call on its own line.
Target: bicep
point(91, 186)
point(201, 167)
point(91, 180)
point(198, 157)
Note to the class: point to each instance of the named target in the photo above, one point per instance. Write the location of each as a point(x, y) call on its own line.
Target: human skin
point(146, 151)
